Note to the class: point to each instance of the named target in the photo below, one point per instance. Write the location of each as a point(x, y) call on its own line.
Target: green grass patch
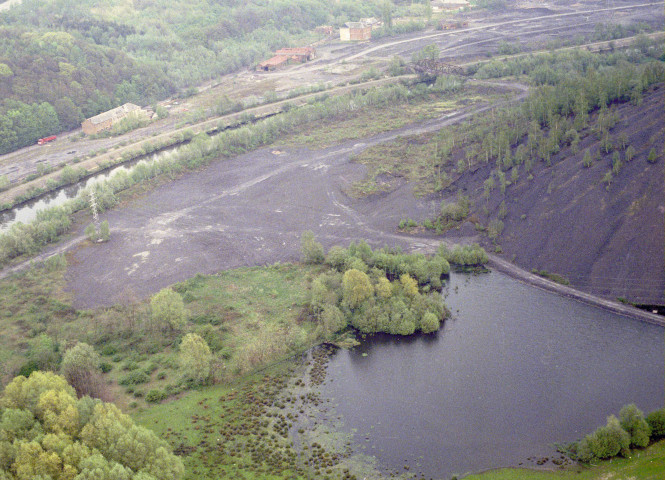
point(555, 277)
point(249, 317)
point(647, 464)
point(370, 121)
point(409, 158)
point(224, 432)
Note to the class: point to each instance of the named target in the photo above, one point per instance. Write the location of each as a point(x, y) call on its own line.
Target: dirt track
point(249, 210)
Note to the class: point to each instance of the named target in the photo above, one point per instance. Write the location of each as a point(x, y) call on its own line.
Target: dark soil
point(608, 241)
point(249, 210)
point(252, 209)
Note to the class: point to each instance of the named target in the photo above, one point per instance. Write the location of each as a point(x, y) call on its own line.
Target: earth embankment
point(606, 237)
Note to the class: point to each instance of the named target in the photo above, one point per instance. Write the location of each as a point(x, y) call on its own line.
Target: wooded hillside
point(63, 61)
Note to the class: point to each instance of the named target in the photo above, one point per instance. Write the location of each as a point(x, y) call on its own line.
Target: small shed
point(354, 32)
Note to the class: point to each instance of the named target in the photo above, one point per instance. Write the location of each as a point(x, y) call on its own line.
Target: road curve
point(250, 210)
point(494, 25)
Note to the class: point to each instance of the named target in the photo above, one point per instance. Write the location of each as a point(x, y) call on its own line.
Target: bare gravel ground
point(249, 210)
point(252, 209)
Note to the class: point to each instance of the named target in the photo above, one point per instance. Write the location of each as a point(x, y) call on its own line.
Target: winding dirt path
point(251, 210)
point(497, 24)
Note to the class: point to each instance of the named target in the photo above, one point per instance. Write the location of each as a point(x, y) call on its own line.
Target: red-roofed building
point(298, 54)
point(284, 56)
point(273, 63)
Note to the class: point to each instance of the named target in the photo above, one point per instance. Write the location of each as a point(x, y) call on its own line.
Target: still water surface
point(514, 371)
point(27, 212)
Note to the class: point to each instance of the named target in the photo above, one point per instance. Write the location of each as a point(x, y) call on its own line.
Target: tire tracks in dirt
point(157, 229)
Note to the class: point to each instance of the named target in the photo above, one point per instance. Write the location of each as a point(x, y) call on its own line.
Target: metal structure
point(93, 208)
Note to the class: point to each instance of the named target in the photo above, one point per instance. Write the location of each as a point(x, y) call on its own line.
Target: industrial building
point(439, 6)
point(106, 120)
point(355, 32)
point(284, 56)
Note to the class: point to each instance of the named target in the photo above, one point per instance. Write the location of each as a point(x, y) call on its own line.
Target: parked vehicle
point(44, 140)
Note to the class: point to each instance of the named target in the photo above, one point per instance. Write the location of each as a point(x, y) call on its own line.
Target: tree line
point(51, 81)
point(631, 430)
point(73, 61)
point(47, 432)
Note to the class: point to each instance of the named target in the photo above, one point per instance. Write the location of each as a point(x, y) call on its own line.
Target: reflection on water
point(514, 371)
point(27, 212)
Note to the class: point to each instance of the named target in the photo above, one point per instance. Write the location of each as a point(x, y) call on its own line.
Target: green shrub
point(653, 156)
point(155, 396)
point(333, 319)
point(464, 255)
point(167, 310)
point(109, 349)
point(80, 366)
point(630, 153)
point(656, 421)
point(130, 365)
point(429, 323)
point(632, 421)
point(455, 211)
point(104, 231)
point(136, 377)
point(337, 257)
point(195, 358)
point(43, 354)
point(91, 233)
point(610, 440)
point(311, 251)
point(356, 288)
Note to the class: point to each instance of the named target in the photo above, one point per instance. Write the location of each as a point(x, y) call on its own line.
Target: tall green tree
point(80, 366)
point(356, 288)
point(195, 358)
point(632, 421)
point(167, 310)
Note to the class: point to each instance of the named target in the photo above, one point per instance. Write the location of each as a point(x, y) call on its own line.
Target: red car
point(44, 140)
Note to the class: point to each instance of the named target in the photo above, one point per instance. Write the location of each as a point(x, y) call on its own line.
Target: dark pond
point(514, 371)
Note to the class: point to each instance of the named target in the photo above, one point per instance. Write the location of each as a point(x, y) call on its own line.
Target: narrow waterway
point(27, 212)
point(515, 370)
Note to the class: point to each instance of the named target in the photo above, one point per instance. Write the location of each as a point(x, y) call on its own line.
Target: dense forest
point(63, 61)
